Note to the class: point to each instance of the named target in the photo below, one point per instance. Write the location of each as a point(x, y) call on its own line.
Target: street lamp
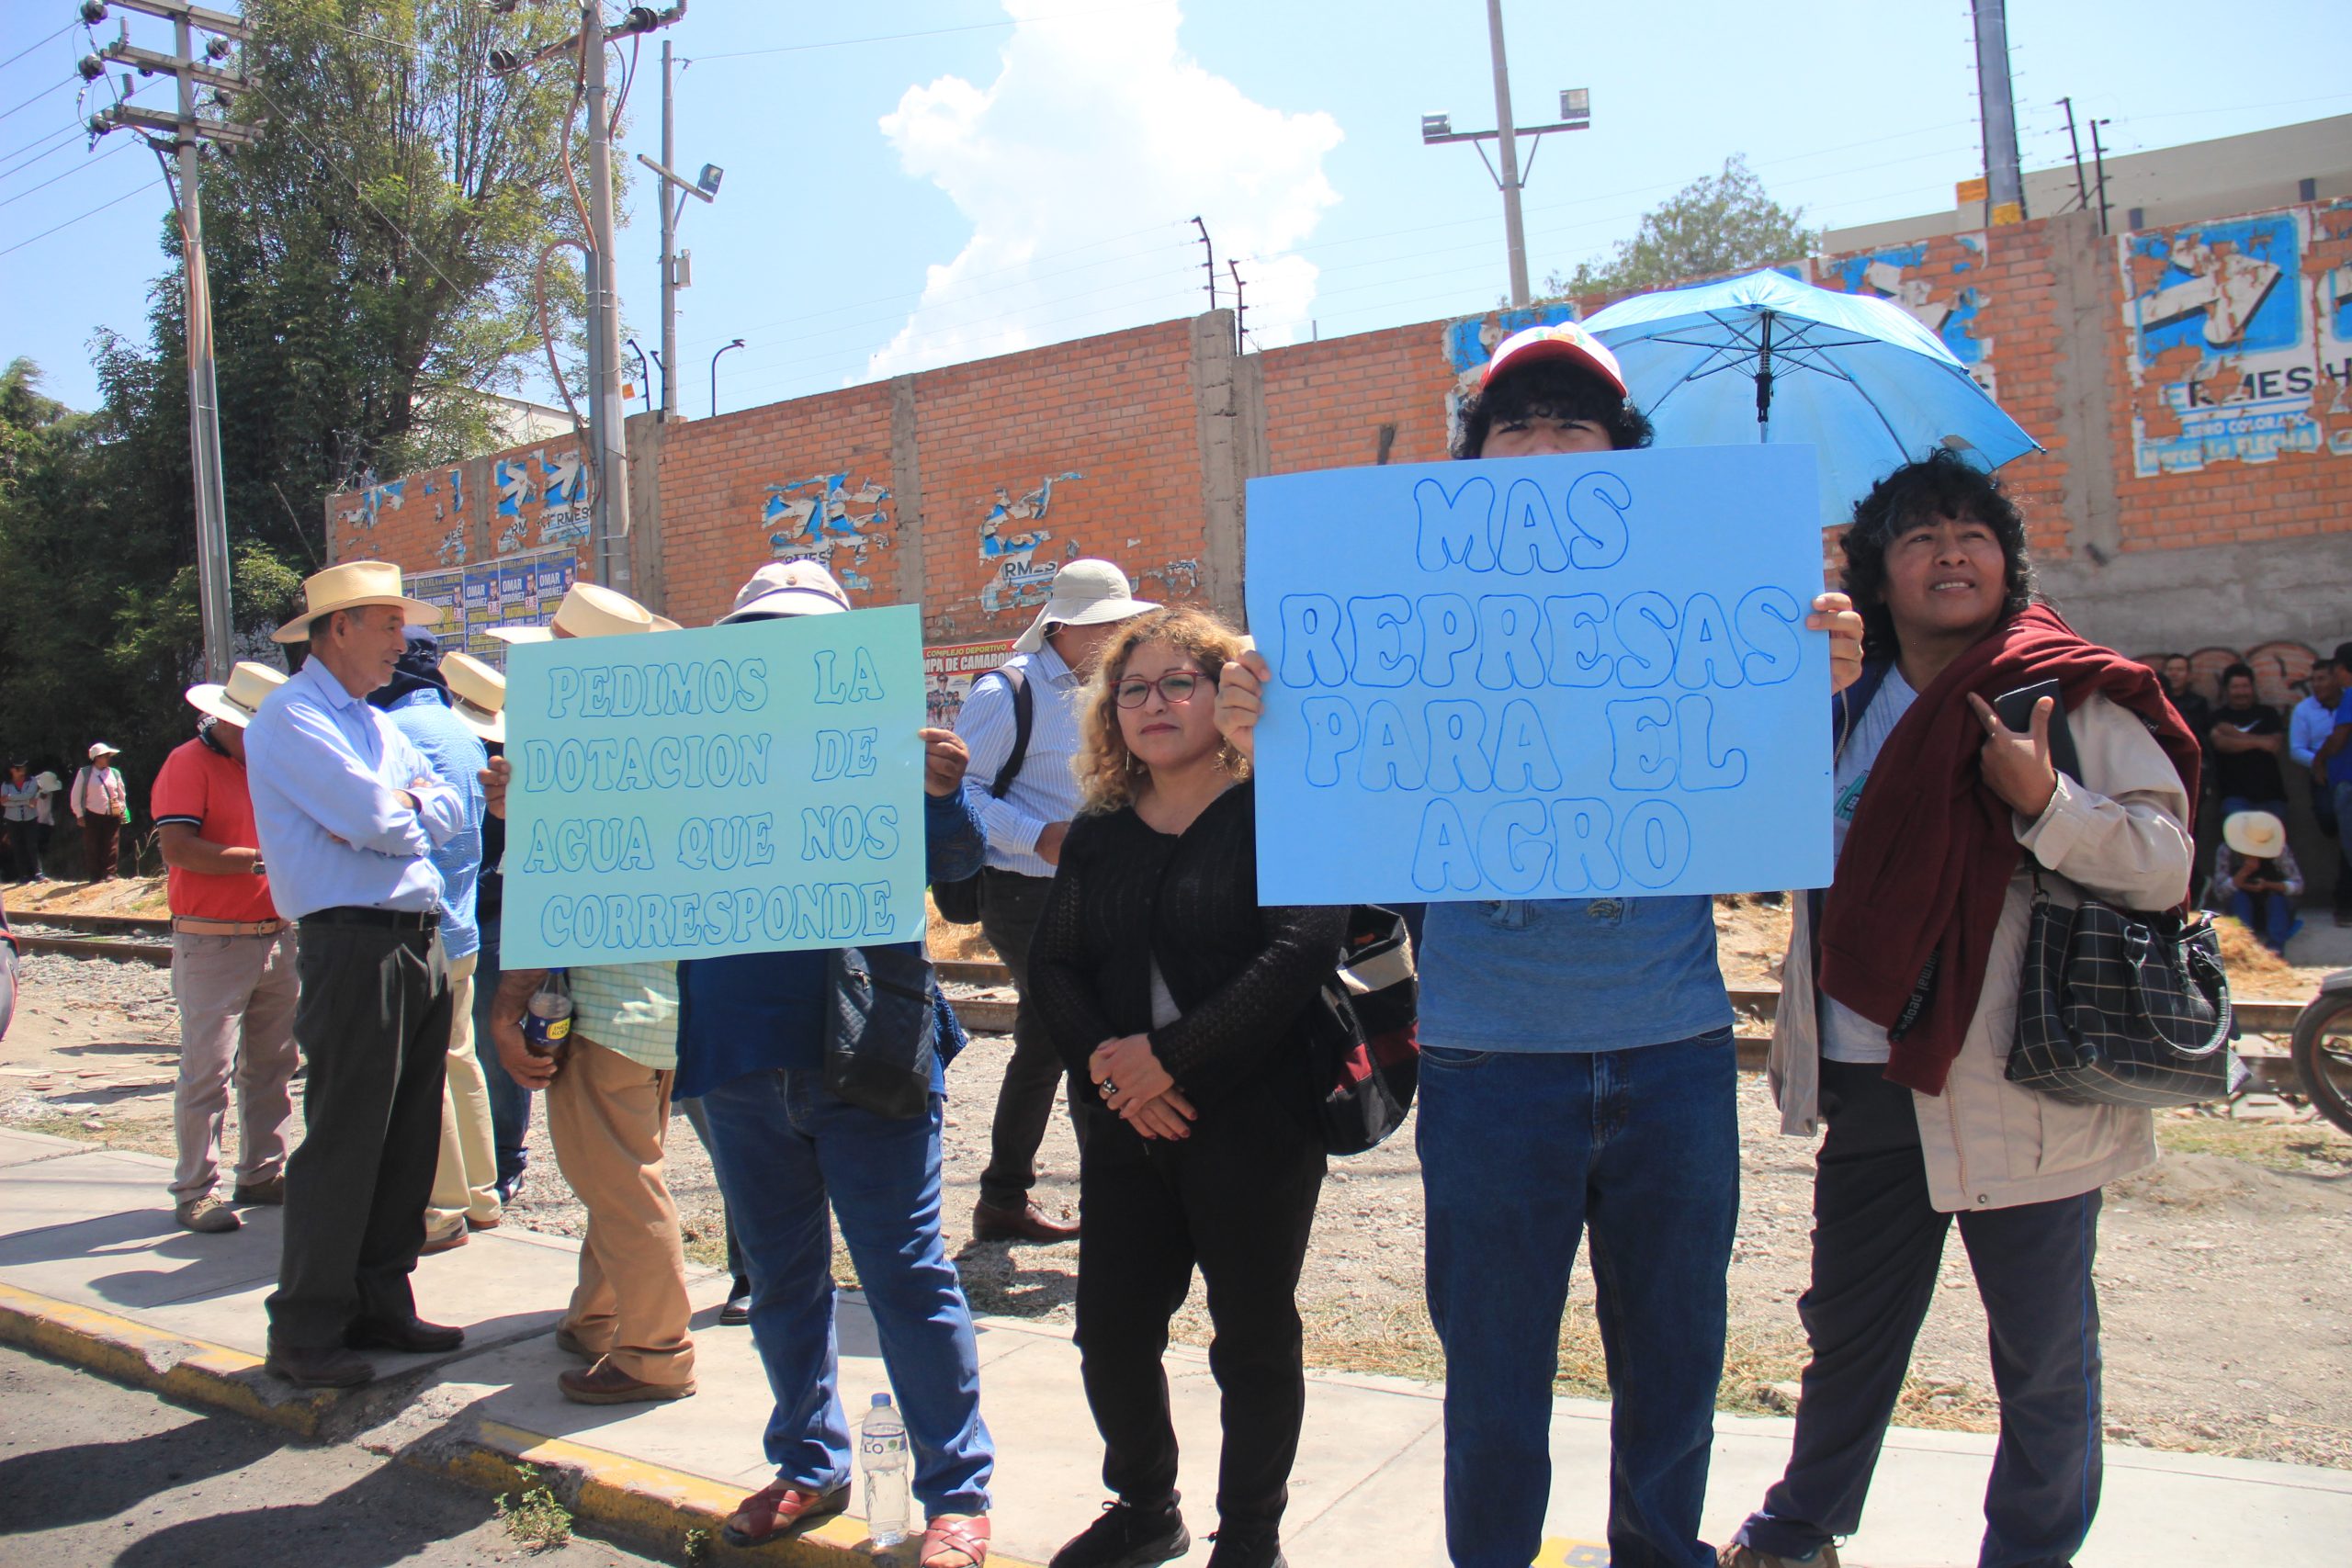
point(1576, 113)
point(714, 376)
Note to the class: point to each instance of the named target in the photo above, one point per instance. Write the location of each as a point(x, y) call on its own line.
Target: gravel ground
point(2223, 1280)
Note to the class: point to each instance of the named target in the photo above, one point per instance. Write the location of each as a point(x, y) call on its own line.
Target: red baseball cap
point(1561, 339)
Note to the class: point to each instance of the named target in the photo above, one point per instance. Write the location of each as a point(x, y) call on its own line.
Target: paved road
point(96, 1475)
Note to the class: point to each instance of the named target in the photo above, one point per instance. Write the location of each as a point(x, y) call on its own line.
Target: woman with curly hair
point(1180, 1007)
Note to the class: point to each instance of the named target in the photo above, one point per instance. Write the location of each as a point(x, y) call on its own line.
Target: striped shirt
point(631, 1009)
point(1045, 790)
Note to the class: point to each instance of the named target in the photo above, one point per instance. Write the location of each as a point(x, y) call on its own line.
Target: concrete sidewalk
point(93, 1270)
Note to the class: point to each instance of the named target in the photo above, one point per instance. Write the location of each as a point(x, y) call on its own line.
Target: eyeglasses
point(1177, 687)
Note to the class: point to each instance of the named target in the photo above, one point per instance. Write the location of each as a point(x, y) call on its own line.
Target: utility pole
point(1576, 113)
point(607, 411)
point(676, 265)
point(185, 135)
point(2004, 180)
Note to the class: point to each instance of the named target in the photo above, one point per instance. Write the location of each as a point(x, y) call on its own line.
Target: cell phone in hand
point(2016, 710)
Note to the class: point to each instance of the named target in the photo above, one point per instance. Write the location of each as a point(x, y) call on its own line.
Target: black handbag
point(2117, 1007)
point(881, 1031)
point(958, 902)
point(1363, 1055)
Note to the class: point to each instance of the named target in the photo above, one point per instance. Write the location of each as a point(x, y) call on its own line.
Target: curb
point(645, 1504)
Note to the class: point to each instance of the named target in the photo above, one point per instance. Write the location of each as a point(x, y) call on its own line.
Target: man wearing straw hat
point(464, 1179)
point(232, 961)
point(349, 813)
point(1024, 827)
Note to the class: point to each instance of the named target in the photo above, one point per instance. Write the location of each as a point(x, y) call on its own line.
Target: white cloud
point(1099, 126)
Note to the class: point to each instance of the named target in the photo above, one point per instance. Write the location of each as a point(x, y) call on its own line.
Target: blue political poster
point(754, 788)
point(1542, 677)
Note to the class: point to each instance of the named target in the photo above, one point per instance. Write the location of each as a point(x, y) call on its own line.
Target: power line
point(39, 96)
point(118, 201)
point(31, 47)
point(62, 137)
point(117, 147)
point(931, 32)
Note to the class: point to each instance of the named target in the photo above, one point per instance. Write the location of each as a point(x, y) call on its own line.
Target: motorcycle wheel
point(2322, 1053)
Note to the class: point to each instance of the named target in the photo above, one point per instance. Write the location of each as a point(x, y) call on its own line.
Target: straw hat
point(236, 702)
point(590, 609)
point(787, 588)
point(477, 695)
point(1085, 594)
point(352, 586)
point(2257, 835)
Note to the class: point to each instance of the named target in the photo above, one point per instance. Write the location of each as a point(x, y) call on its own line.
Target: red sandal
point(966, 1534)
point(779, 1508)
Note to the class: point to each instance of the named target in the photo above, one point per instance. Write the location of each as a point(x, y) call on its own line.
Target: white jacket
point(1989, 1144)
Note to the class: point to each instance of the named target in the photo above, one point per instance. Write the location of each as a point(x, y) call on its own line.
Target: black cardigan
point(1241, 976)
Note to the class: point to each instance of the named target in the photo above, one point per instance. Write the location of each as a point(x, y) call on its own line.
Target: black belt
point(355, 915)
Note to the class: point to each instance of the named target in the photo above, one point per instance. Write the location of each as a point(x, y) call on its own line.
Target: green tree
point(1717, 224)
point(371, 261)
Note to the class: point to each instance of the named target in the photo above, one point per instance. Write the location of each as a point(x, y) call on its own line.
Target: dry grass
point(124, 895)
point(964, 944)
point(2300, 1148)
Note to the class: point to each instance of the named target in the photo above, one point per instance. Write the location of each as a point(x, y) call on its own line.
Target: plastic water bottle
point(547, 1018)
point(882, 1450)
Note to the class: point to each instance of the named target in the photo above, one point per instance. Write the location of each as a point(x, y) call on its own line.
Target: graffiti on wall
point(2246, 349)
point(1013, 545)
point(1946, 301)
point(820, 518)
point(549, 490)
point(443, 489)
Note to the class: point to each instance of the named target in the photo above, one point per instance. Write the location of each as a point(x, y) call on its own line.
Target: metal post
point(670, 206)
point(2098, 168)
point(609, 520)
point(2075, 145)
point(203, 395)
point(2004, 181)
point(714, 375)
point(1507, 145)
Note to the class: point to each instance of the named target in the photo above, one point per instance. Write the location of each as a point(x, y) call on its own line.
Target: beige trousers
point(465, 1182)
point(236, 1000)
point(609, 1118)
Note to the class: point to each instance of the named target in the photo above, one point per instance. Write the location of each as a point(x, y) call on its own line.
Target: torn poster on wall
point(823, 519)
point(550, 490)
point(515, 590)
point(2237, 351)
point(1015, 547)
point(1944, 296)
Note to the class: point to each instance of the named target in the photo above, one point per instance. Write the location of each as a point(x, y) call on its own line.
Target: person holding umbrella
point(1577, 1073)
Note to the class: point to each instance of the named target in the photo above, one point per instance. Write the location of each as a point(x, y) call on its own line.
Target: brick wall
point(975, 481)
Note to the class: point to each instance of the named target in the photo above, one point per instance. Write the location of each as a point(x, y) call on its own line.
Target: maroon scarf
point(1929, 857)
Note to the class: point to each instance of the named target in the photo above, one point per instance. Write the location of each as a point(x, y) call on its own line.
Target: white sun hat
point(590, 609)
point(235, 701)
point(477, 695)
point(2257, 835)
point(351, 586)
point(1085, 594)
point(787, 588)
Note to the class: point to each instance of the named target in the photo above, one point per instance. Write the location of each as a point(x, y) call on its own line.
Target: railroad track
point(134, 940)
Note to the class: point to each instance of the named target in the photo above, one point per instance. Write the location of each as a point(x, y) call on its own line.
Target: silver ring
point(1108, 1088)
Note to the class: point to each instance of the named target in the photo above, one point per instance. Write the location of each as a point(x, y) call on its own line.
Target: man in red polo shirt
point(232, 961)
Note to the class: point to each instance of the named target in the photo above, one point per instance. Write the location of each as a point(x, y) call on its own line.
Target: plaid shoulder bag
point(2118, 1007)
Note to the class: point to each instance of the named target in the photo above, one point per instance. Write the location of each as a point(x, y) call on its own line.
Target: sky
point(913, 183)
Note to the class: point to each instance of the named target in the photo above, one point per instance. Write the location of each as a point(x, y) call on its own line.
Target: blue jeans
point(1521, 1154)
point(2270, 916)
point(782, 1144)
point(509, 1102)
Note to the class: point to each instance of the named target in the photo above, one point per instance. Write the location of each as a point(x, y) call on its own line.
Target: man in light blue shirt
point(2308, 728)
point(464, 1179)
point(349, 813)
point(1024, 827)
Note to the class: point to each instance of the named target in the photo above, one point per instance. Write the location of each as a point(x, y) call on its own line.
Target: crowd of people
point(98, 801)
point(1576, 1080)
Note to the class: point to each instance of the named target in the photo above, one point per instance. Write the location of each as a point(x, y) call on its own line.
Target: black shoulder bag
point(881, 1031)
point(958, 902)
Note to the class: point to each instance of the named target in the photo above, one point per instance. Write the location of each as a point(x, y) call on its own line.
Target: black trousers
point(1877, 1245)
point(1238, 1198)
point(373, 1024)
point(1011, 906)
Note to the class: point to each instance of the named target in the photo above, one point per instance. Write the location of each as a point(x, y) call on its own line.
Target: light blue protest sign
point(1542, 677)
point(754, 788)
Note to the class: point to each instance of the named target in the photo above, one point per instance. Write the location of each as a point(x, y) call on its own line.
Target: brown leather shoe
point(327, 1367)
point(570, 1344)
point(779, 1508)
point(1737, 1555)
point(208, 1215)
point(448, 1241)
point(271, 1192)
point(606, 1383)
point(413, 1336)
point(1027, 1222)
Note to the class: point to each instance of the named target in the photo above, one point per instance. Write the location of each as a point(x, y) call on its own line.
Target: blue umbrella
point(1767, 358)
